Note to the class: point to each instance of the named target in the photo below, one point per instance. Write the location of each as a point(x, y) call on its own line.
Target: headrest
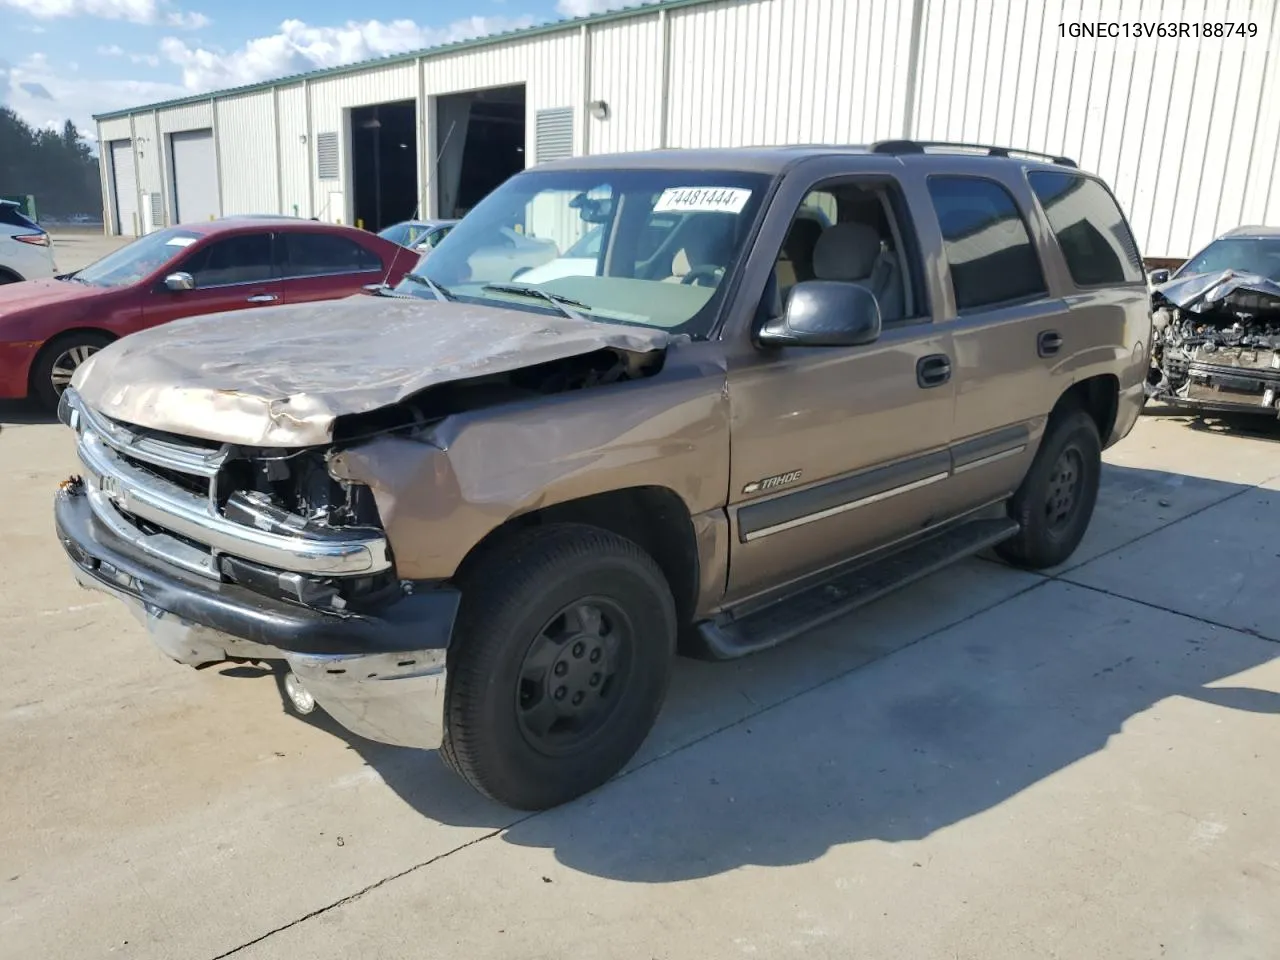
point(846, 251)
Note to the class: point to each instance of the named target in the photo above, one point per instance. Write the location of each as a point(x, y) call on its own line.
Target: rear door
point(231, 273)
point(325, 266)
point(995, 299)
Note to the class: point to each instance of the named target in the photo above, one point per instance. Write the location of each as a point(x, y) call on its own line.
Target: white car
point(26, 252)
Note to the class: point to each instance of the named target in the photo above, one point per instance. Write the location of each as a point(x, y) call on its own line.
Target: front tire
point(51, 373)
point(1055, 502)
point(561, 661)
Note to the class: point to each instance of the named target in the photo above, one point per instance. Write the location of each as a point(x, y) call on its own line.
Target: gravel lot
point(988, 764)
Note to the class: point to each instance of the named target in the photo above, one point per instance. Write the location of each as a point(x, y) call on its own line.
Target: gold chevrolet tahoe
point(737, 393)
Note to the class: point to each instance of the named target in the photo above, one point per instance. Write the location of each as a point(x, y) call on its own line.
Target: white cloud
point(72, 97)
point(132, 11)
point(584, 8)
point(298, 47)
point(110, 51)
point(148, 59)
point(187, 21)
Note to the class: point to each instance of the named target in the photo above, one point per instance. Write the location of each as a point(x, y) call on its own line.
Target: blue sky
point(63, 59)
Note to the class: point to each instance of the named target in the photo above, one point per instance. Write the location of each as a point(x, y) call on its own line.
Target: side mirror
point(1157, 277)
point(177, 282)
point(825, 313)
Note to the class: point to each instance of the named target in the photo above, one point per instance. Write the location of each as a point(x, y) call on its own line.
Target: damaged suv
point(1217, 327)
point(484, 514)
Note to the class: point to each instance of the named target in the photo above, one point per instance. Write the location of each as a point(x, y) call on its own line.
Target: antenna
point(417, 207)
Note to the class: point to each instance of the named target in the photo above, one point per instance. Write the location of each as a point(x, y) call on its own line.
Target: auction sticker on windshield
point(700, 199)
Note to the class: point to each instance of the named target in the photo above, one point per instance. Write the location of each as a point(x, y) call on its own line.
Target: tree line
point(57, 168)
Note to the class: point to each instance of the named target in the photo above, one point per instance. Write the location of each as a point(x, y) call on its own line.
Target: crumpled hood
point(1201, 292)
point(280, 376)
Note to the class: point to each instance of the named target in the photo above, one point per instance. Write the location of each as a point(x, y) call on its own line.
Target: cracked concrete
point(989, 763)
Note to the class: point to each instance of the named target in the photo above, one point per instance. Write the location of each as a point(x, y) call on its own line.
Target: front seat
point(795, 265)
point(853, 253)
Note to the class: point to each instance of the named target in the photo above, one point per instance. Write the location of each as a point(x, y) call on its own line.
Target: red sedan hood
point(42, 293)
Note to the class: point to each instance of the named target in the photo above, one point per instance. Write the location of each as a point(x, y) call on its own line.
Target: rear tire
point(560, 663)
point(8, 276)
point(60, 358)
point(1055, 502)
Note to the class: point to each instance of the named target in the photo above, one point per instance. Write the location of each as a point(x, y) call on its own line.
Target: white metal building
point(1177, 125)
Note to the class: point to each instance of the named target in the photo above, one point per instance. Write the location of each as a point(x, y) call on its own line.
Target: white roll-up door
point(124, 188)
point(195, 176)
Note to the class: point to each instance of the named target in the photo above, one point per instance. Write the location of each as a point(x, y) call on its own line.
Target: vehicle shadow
point(23, 412)
point(1255, 425)
point(898, 734)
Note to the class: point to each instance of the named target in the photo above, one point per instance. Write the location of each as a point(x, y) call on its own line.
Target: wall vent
point(327, 156)
point(554, 134)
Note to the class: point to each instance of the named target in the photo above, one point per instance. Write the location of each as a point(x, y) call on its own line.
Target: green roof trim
point(522, 33)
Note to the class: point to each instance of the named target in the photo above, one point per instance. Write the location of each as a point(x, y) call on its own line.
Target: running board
point(729, 637)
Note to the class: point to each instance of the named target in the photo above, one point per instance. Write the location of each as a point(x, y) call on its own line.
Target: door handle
point(262, 298)
point(933, 370)
point(1048, 343)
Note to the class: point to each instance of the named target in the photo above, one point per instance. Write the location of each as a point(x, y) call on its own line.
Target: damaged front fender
point(441, 489)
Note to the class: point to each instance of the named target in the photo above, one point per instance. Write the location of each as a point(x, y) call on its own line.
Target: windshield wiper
point(440, 292)
point(562, 303)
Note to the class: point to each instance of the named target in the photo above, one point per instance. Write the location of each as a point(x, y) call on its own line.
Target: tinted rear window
point(1095, 240)
point(987, 245)
point(318, 254)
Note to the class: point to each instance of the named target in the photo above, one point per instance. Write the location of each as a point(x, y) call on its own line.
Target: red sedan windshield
point(139, 259)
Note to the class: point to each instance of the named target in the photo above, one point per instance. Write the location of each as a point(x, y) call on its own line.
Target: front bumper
point(382, 677)
point(1223, 388)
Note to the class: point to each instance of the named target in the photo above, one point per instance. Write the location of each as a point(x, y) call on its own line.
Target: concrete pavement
point(991, 763)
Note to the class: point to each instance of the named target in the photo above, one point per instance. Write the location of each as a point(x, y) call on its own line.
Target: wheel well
point(95, 332)
point(1099, 397)
point(11, 276)
point(654, 518)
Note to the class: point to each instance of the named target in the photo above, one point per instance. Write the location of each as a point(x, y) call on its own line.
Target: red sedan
point(49, 327)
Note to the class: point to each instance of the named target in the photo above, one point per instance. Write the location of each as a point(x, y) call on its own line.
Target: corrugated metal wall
point(295, 142)
point(191, 116)
point(149, 157)
point(246, 155)
point(626, 73)
point(788, 71)
point(1177, 126)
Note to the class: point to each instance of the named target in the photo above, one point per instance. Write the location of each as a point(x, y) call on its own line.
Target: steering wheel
point(706, 272)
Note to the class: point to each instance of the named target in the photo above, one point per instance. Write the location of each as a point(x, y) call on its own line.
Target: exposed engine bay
point(1216, 343)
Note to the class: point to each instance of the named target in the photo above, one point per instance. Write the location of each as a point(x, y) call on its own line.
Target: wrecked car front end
point(1216, 343)
point(232, 553)
point(222, 494)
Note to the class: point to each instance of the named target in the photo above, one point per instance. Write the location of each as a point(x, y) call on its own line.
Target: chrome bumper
point(394, 698)
point(380, 676)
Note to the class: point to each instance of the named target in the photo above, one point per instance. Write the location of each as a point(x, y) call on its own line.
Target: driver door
point(231, 273)
point(838, 450)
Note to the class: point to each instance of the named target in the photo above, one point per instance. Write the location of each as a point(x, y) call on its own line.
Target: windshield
point(662, 241)
point(1244, 255)
point(401, 233)
point(137, 260)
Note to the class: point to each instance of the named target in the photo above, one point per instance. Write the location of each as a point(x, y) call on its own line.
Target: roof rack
point(920, 146)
